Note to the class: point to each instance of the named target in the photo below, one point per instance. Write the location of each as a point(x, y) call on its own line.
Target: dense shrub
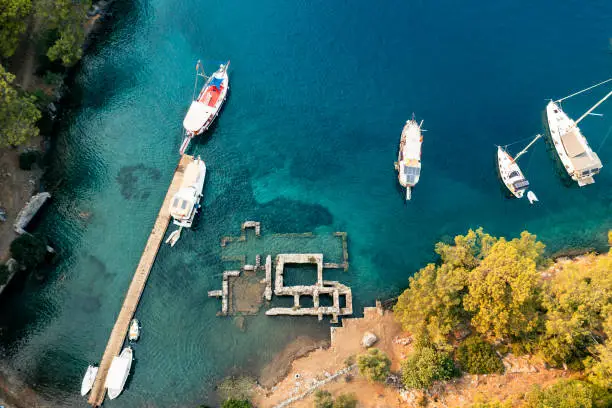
point(374, 365)
point(235, 403)
point(28, 158)
point(29, 250)
point(425, 366)
point(345, 401)
point(568, 394)
point(323, 399)
point(476, 356)
point(4, 274)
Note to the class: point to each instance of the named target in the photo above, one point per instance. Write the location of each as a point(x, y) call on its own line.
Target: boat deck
point(130, 303)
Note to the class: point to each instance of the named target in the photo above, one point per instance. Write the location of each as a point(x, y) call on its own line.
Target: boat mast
point(526, 147)
point(584, 90)
point(593, 108)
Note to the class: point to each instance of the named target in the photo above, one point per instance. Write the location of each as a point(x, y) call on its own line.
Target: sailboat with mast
point(578, 158)
point(511, 174)
point(205, 108)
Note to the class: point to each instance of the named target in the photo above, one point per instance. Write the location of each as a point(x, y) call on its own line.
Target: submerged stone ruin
point(244, 289)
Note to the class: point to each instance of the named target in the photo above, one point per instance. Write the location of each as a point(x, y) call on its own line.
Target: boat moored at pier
point(408, 163)
point(205, 108)
point(119, 372)
point(186, 202)
point(88, 379)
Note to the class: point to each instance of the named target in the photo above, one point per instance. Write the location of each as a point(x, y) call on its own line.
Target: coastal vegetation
point(61, 26)
point(324, 399)
point(18, 113)
point(488, 296)
point(374, 364)
point(29, 250)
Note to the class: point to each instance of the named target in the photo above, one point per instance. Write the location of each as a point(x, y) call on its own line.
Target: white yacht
point(205, 108)
point(578, 158)
point(408, 162)
point(186, 202)
point(118, 372)
point(89, 379)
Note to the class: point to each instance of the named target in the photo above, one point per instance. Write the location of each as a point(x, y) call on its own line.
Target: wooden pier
point(117, 336)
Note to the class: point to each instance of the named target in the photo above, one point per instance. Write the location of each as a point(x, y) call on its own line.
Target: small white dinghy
point(119, 372)
point(134, 332)
point(88, 380)
point(531, 197)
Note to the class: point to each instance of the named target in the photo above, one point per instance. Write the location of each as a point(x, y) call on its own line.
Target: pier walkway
point(117, 336)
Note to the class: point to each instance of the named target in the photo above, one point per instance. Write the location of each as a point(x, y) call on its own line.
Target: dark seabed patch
point(133, 181)
point(284, 215)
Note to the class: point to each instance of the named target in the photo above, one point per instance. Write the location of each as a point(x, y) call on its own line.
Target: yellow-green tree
point(13, 15)
point(432, 304)
point(18, 114)
point(468, 250)
point(577, 299)
point(503, 289)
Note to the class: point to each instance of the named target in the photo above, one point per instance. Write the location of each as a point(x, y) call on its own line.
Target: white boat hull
point(186, 202)
point(134, 332)
point(89, 379)
point(511, 174)
point(409, 156)
point(202, 114)
point(558, 125)
point(119, 372)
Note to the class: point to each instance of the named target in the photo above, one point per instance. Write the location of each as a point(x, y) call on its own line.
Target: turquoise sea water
point(306, 142)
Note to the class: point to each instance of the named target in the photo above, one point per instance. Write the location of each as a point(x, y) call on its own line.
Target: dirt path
point(24, 61)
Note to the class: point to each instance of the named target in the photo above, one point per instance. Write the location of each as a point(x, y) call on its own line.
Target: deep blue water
point(320, 91)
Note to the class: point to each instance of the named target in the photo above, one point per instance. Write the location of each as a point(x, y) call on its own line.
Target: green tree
point(599, 366)
point(323, 399)
point(476, 356)
point(425, 366)
point(432, 304)
point(68, 18)
point(18, 113)
point(468, 250)
point(575, 300)
point(29, 250)
point(235, 403)
point(503, 290)
point(345, 401)
point(562, 394)
point(375, 365)
point(13, 15)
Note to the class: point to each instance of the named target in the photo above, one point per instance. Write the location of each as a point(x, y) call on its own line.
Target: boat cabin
point(585, 161)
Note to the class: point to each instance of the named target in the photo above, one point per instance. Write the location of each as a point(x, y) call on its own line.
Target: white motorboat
point(510, 172)
point(205, 108)
point(118, 372)
point(134, 332)
point(408, 162)
point(89, 379)
point(578, 158)
point(186, 202)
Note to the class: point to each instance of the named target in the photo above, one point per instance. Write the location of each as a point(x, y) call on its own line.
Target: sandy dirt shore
point(521, 372)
